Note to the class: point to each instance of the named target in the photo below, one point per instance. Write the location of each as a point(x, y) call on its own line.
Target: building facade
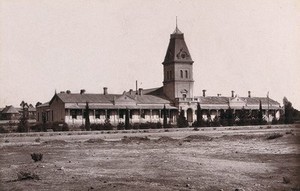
point(176, 94)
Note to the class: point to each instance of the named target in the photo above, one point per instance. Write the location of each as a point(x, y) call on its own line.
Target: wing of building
point(147, 105)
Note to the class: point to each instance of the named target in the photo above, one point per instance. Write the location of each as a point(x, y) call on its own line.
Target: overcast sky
point(236, 45)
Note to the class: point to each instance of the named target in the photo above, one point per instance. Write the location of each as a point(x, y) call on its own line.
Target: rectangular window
point(73, 113)
point(121, 114)
point(143, 114)
point(97, 114)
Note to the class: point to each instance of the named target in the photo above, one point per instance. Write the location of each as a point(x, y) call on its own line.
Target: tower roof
point(177, 50)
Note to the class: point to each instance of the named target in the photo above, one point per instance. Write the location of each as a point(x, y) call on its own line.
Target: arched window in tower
point(186, 74)
point(181, 73)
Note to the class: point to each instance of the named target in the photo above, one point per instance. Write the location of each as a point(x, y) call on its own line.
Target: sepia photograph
point(150, 95)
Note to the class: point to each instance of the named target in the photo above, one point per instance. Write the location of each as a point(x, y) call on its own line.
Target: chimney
point(68, 91)
point(219, 95)
point(203, 92)
point(232, 93)
point(105, 91)
point(130, 91)
point(82, 91)
point(140, 91)
point(249, 93)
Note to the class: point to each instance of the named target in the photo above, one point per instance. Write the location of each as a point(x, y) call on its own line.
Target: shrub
point(39, 127)
point(37, 140)
point(59, 126)
point(134, 126)
point(274, 136)
point(181, 120)
point(22, 175)
point(37, 156)
point(101, 127)
point(121, 126)
point(3, 130)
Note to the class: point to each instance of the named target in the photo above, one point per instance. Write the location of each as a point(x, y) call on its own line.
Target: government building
point(146, 105)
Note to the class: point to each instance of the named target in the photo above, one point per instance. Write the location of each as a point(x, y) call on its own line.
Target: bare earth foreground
point(249, 158)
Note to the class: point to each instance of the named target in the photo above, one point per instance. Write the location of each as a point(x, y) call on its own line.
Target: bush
point(37, 156)
point(27, 175)
point(150, 125)
point(39, 127)
point(101, 127)
point(59, 126)
point(121, 126)
point(181, 120)
point(274, 136)
point(37, 140)
point(3, 130)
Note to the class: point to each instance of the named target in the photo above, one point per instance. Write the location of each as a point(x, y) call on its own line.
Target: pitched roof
point(214, 100)
point(83, 98)
point(177, 50)
point(255, 101)
point(10, 110)
point(109, 98)
point(46, 104)
point(248, 100)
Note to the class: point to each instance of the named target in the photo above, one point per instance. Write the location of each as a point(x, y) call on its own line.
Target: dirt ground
point(228, 158)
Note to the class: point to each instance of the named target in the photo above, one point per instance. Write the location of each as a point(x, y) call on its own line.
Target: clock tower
point(178, 68)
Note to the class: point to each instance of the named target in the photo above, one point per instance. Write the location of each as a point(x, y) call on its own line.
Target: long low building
point(176, 94)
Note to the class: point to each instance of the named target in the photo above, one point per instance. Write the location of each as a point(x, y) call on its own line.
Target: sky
point(59, 45)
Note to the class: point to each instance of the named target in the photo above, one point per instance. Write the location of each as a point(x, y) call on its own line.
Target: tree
point(288, 111)
point(127, 125)
point(165, 122)
point(23, 125)
point(260, 114)
point(181, 121)
point(243, 117)
point(230, 116)
point(223, 120)
point(199, 121)
point(87, 117)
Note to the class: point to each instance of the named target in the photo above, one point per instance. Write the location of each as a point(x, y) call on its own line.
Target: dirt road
point(249, 158)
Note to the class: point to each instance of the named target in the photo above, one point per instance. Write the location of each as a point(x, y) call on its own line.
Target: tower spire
point(177, 31)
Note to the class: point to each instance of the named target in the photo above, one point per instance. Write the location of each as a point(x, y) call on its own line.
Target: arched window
point(186, 74)
point(181, 73)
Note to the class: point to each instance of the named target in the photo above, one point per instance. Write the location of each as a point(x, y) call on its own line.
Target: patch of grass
point(25, 175)
point(274, 136)
point(95, 141)
point(37, 140)
point(134, 139)
point(37, 157)
point(55, 142)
